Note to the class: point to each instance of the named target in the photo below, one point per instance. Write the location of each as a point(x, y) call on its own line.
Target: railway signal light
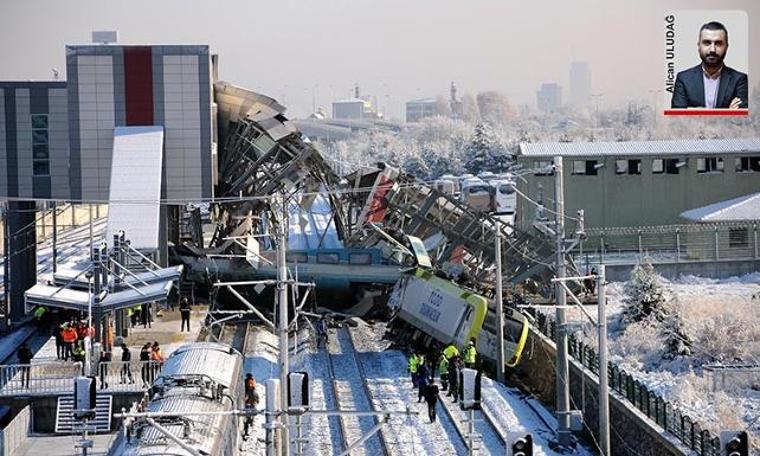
point(734, 443)
point(520, 444)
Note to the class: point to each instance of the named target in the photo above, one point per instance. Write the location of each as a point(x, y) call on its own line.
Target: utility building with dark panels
point(638, 183)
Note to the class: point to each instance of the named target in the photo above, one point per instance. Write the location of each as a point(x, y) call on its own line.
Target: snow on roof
point(637, 148)
point(349, 100)
point(743, 208)
point(422, 101)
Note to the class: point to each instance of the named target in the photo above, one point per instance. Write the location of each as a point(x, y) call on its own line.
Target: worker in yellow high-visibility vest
point(470, 354)
point(415, 361)
point(450, 351)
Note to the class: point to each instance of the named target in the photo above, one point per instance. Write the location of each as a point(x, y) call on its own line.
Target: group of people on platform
point(447, 365)
point(141, 314)
point(69, 340)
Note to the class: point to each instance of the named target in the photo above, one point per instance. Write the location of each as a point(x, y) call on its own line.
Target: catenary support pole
point(604, 393)
point(282, 301)
point(272, 386)
point(55, 236)
point(499, 306)
point(92, 244)
point(562, 368)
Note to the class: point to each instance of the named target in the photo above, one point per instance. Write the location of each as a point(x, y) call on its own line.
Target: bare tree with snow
point(673, 329)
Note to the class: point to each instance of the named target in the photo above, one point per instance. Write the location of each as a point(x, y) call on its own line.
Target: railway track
point(344, 365)
point(487, 438)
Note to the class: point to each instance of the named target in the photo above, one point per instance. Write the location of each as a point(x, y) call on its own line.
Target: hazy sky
point(395, 49)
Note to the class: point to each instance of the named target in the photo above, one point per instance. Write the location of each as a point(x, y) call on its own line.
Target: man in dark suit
point(711, 84)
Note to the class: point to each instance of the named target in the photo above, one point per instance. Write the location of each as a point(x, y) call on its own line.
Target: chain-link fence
point(670, 244)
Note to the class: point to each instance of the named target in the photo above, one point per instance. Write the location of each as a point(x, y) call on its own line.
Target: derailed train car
point(197, 377)
point(441, 311)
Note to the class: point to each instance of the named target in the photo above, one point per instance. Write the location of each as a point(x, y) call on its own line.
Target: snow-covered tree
point(485, 153)
point(673, 329)
point(416, 166)
point(644, 294)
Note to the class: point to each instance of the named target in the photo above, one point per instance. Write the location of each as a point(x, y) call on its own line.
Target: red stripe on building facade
point(138, 85)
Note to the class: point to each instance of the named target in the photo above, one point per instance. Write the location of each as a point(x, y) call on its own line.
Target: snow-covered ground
point(390, 388)
point(721, 319)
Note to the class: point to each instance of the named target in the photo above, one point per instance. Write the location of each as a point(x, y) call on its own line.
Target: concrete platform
point(55, 445)
point(166, 331)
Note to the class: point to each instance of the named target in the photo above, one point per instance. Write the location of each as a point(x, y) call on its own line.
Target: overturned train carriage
point(198, 377)
point(442, 311)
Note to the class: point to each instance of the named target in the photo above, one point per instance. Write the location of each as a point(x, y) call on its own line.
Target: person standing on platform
point(69, 335)
point(145, 369)
point(103, 362)
point(25, 359)
point(59, 346)
point(184, 312)
point(126, 368)
point(145, 313)
point(158, 359)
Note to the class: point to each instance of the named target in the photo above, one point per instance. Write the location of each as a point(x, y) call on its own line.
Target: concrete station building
point(57, 137)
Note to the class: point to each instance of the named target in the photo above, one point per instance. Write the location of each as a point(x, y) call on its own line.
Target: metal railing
point(38, 379)
point(56, 377)
point(677, 423)
point(670, 244)
point(126, 375)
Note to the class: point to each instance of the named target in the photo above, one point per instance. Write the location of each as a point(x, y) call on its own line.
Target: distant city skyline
point(311, 53)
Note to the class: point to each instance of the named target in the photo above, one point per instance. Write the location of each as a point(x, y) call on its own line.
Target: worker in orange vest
point(70, 336)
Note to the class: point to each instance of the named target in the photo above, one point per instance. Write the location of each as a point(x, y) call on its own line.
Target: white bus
point(447, 184)
point(477, 194)
point(504, 197)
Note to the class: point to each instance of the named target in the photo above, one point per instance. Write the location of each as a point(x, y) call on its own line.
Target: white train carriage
point(198, 377)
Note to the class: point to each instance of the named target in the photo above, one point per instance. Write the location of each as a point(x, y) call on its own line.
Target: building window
point(628, 166)
point(40, 168)
point(39, 121)
point(543, 168)
point(738, 238)
point(585, 167)
point(40, 145)
point(709, 165)
point(672, 165)
point(666, 165)
point(747, 164)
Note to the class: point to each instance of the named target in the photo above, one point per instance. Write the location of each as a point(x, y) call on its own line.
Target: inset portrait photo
point(706, 62)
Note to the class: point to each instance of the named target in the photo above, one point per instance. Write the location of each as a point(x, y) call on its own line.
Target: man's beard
point(712, 59)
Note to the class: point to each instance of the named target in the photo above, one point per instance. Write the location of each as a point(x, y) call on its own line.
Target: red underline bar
point(706, 112)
